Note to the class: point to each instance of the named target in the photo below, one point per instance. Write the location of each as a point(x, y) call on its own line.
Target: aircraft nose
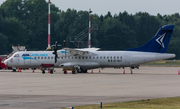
point(6, 62)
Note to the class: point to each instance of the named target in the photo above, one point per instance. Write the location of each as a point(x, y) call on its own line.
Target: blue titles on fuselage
point(39, 55)
point(28, 56)
point(35, 55)
point(25, 55)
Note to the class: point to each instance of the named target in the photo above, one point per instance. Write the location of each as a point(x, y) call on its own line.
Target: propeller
point(55, 52)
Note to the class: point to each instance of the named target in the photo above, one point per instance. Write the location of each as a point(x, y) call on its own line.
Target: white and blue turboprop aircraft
point(84, 59)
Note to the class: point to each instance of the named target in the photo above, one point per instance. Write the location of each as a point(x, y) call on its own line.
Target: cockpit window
point(16, 55)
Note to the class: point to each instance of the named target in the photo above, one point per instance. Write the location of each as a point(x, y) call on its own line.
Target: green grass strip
point(163, 103)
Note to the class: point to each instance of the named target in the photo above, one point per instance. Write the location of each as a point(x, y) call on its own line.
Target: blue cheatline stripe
point(25, 58)
point(64, 52)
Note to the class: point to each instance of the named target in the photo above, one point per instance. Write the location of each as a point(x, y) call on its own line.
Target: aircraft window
point(100, 57)
point(51, 57)
point(71, 57)
point(97, 57)
point(41, 57)
point(111, 57)
point(82, 57)
point(104, 57)
point(38, 57)
point(86, 57)
point(48, 57)
point(118, 57)
point(107, 57)
point(79, 57)
point(34, 57)
point(114, 57)
point(75, 57)
point(89, 57)
point(16, 55)
point(44, 57)
point(93, 57)
point(68, 57)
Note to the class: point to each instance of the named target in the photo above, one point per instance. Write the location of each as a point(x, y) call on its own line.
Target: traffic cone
point(179, 72)
point(48, 70)
point(91, 71)
point(33, 70)
point(124, 71)
point(66, 72)
point(131, 71)
point(20, 70)
point(99, 71)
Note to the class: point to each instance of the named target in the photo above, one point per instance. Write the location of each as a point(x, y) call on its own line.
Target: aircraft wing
point(75, 52)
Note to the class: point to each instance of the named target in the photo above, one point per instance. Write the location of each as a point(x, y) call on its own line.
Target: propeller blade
point(55, 52)
point(55, 60)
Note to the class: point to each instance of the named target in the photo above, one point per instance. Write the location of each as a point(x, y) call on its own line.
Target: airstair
point(80, 40)
point(16, 49)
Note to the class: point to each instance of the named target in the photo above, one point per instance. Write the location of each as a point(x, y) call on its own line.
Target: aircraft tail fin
point(159, 43)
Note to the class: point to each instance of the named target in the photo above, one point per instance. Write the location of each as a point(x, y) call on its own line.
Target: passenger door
point(16, 59)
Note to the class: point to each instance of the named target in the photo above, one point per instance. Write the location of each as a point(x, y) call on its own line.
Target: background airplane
point(81, 60)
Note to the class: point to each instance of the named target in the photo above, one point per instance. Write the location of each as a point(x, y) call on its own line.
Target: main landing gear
point(43, 72)
point(82, 70)
point(51, 71)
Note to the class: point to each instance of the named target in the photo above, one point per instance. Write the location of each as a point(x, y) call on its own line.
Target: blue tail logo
point(159, 43)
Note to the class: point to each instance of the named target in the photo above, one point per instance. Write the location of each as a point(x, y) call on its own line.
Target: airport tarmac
point(27, 90)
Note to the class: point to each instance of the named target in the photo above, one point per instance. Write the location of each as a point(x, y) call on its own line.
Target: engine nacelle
point(69, 66)
point(77, 65)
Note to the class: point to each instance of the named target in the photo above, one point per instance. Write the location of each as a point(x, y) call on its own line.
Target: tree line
point(25, 23)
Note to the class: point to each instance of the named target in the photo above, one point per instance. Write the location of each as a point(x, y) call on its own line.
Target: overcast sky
point(115, 6)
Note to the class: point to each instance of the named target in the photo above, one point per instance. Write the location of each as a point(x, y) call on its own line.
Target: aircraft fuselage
point(102, 59)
